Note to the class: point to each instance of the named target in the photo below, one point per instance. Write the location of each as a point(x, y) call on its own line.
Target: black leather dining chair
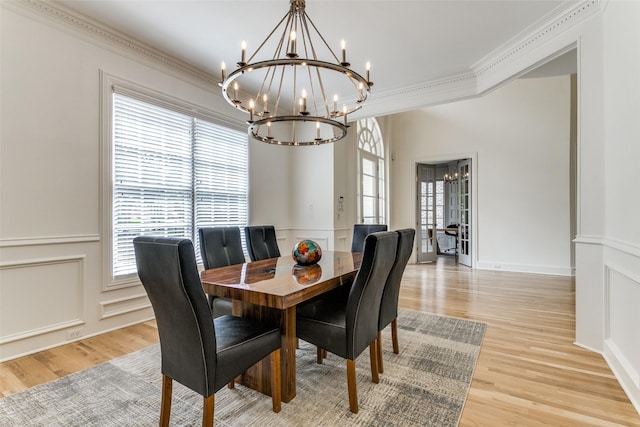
point(197, 351)
point(347, 327)
point(389, 302)
point(261, 242)
point(220, 247)
point(360, 231)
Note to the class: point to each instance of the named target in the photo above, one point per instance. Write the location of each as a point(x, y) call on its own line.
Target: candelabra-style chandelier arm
point(321, 38)
point(294, 94)
point(323, 97)
point(271, 73)
point(288, 15)
point(305, 30)
point(279, 90)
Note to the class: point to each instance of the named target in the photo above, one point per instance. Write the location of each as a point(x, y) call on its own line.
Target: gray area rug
point(425, 385)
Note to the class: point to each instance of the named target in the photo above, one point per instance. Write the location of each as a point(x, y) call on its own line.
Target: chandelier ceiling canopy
point(292, 96)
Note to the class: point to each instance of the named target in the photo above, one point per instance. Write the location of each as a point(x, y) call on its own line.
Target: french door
point(427, 249)
point(464, 212)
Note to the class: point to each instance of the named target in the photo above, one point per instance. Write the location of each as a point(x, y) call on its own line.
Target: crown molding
point(60, 14)
point(451, 88)
point(508, 61)
point(504, 62)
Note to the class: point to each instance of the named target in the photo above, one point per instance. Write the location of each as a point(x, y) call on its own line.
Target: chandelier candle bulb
point(368, 66)
point(223, 67)
point(266, 107)
point(235, 92)
point(292, 49)
point(251, 105)
point(344, 112)
point(344, 51)
point(304, 100)
point(317, 130)
point(243, 45)
point(335, 103)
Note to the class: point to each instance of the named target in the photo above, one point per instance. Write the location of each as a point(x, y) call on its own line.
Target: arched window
point(371, 173)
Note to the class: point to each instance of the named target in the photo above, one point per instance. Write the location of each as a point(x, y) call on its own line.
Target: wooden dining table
point(269, 290)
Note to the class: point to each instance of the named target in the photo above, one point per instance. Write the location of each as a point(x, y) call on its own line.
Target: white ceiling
point(409, 43)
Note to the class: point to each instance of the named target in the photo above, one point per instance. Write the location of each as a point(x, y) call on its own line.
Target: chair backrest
point(451, 233)
point(363, 304)
point(389, 303)
point(261, 242)
point(220, 246)
point(168, 271)
point(360, 231)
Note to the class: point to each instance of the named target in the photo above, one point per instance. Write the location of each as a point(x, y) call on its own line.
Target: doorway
point(443, 214)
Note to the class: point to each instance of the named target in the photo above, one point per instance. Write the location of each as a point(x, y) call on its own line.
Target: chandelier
point(450, 178)
point(292, 97)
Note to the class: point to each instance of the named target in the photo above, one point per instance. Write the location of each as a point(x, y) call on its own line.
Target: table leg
point(288, 366)
point(258, 376)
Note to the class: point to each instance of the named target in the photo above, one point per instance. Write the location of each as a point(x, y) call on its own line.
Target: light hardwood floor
point(529, 372)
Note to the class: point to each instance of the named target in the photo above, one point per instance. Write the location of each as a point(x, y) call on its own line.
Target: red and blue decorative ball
point(306, 252)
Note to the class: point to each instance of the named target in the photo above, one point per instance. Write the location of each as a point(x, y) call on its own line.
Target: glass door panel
point(464, 212)
point(426, 214)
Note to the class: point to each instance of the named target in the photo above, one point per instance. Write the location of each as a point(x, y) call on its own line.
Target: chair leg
point(394, 335)
point(321, 355)
point(373, 358)
point(165, 406)
point(231, 384)
point(379, 351)
point(276, 386)
point(351, 386)
point(207, 413)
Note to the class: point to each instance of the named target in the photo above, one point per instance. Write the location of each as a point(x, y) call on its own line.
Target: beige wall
point(520, 137)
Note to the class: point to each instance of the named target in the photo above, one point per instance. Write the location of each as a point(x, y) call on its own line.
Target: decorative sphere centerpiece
point(306, 252)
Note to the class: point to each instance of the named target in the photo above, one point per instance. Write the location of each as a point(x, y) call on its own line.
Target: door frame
point(473, 156)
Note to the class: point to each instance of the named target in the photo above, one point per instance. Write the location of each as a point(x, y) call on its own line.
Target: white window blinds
point(221, 176)
point(172, 175)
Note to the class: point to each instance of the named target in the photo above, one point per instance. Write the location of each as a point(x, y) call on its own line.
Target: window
point(173, 173)
point(371, 167)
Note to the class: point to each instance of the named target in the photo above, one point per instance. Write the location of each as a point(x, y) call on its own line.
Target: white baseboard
point(624, 372)
point(523, 268)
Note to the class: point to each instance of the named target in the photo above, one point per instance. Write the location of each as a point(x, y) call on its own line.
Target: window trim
point(382, 214)
point(109, 84)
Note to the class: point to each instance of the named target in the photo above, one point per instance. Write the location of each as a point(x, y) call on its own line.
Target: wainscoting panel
point(289, 236)
point(120, 306)
point(40, 296)
point(622, 317)
point(322, 241)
